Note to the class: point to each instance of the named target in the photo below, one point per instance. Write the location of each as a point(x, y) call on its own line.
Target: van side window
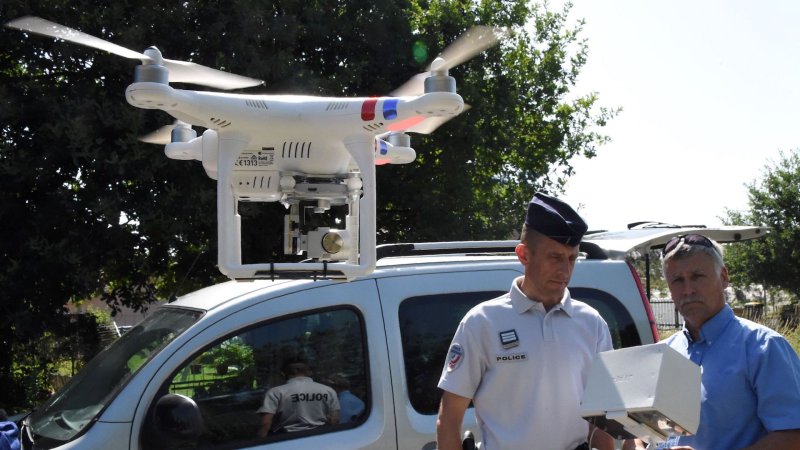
point(427, 325)
point(307, 372)
point(619, 320)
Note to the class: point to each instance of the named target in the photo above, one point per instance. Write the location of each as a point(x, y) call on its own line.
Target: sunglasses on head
point(691, 239)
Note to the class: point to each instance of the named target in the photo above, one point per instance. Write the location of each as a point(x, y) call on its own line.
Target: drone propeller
point(179, 71)
point(164, 135)
point(469, 44)
point(161, 136)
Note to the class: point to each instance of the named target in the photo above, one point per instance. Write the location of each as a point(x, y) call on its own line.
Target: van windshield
point(72, 409)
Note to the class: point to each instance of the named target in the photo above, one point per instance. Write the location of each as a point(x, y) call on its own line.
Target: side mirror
point(177, 420)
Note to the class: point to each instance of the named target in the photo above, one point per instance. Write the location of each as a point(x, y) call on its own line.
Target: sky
point(710, 92)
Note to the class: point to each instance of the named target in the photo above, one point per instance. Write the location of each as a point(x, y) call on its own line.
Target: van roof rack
point(445, 248)
point(592, 251)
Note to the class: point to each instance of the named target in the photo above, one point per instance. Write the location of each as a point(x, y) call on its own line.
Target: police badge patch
point(454, 357)
point(509, 339)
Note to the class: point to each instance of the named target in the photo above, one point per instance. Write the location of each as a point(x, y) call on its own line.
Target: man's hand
point(778, 440)
point(634, 444)
point(599, 439)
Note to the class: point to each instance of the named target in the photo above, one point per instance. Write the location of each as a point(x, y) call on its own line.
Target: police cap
point(555, 219)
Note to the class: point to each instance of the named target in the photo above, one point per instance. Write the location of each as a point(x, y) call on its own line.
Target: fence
point(787, 315)
point(667, 317)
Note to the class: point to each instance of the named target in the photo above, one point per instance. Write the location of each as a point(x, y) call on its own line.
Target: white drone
point(321, 151)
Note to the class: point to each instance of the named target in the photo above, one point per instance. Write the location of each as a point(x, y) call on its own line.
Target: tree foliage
point(774, 201)
point(475, 175)
point(87, 209)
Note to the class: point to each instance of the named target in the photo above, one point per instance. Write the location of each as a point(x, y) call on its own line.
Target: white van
point(193, 374)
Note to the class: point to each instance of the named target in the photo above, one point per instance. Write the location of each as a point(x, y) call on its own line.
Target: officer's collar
point(522, 303)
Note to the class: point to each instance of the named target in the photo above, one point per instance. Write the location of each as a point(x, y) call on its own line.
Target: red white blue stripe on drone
point(389, 109)
point(389, 112)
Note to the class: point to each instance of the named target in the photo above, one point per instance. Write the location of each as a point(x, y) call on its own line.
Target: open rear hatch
point(637, 241)
point(642, 237)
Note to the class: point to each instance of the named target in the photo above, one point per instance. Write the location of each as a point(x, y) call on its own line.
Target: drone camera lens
point(332, 242)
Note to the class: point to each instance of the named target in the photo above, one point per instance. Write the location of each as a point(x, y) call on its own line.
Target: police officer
point(522, 359)
point(300, 404)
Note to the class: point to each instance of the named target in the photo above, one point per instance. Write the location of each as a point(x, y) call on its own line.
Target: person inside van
point(300, 404)
point(750, 373)
point(9, 433)
point(523, 358)
point(351, 407)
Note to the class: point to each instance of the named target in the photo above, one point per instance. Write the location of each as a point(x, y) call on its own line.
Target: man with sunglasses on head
point(750, 396)
point(523, 358)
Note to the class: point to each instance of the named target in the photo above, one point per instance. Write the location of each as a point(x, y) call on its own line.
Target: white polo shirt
point(525, 369)
point(300, 404)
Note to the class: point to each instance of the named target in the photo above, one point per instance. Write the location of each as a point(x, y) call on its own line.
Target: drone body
point(301, 134)
point(309, 153)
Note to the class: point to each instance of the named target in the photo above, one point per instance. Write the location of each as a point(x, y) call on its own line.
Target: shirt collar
point(714, 326)
point(299, 379)
point(522, 303)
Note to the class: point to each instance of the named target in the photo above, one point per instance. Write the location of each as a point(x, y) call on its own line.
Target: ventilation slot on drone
point(335, 106)
point(373, 126)
point(222, 123)
point(259, 104)
point(257, 182)
point(296, 150)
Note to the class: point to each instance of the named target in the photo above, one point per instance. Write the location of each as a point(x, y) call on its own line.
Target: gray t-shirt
point(300, 404)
